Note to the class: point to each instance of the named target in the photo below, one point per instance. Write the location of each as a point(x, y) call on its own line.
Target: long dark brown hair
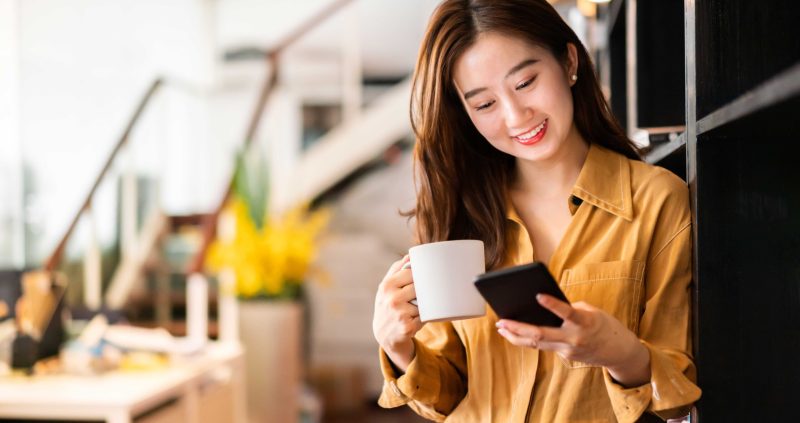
point(461, 179)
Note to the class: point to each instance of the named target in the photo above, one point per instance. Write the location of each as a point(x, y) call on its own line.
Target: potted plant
point(264, 259)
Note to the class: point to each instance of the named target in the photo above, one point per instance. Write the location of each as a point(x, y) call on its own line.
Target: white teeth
point(535, 131)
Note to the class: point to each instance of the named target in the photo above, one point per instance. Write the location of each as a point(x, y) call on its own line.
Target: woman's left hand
point(588, 334)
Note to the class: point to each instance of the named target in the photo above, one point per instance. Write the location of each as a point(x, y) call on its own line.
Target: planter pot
point(271, 334)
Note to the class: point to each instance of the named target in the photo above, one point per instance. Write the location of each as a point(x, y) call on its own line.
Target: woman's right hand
point(396, 320)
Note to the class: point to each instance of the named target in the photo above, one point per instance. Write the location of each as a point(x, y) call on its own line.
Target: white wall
point(258, 23)
point(12, 248)
point(84, 64)
point(390, 31)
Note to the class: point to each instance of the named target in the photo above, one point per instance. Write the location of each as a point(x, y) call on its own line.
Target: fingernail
point(499, 324)
point(541, 298)
point(502, 331)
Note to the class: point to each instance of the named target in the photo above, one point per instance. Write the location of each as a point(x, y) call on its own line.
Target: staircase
point(145, 280)
point(353, 143)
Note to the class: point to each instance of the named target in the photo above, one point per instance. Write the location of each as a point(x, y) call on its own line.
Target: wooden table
point(208, 387)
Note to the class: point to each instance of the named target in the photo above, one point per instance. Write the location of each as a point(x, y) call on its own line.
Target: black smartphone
point(511, 293)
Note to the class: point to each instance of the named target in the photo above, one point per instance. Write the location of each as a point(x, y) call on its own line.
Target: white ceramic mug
point(444, 275)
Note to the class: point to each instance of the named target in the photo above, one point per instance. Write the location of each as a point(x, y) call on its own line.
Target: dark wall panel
point(740, 44)
point(748, 289)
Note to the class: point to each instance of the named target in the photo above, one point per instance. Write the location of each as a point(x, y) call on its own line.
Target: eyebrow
point(521, 65)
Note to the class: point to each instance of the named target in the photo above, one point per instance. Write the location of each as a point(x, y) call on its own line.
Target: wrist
point(634, 367)
point(401, 354)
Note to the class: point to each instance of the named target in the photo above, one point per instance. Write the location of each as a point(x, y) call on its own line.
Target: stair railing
point(137, 244)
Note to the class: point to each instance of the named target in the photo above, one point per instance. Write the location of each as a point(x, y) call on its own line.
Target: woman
point(517, 147)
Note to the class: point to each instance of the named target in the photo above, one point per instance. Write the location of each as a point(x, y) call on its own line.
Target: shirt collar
point(604, 182)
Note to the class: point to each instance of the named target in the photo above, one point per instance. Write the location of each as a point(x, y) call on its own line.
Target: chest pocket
point(616, 287)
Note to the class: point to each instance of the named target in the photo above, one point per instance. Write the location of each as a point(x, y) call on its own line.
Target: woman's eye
point(525, 84)
point(484, 106)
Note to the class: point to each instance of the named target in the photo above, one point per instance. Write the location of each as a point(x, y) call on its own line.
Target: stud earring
point(574, 77)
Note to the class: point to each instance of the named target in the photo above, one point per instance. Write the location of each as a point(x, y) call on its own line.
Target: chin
point(541, 151)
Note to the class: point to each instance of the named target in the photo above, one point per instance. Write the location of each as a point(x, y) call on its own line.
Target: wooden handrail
point(52, 262)
point(209, 228)
point(311, 23)
point(210, 222)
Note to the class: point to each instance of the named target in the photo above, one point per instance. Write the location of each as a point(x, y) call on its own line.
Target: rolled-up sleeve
point(665, 330)
point(436, 379)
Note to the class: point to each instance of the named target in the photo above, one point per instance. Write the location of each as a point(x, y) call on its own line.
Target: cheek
point(565, 100)
point(488, 125)
point(565, 111)
point(560, 101)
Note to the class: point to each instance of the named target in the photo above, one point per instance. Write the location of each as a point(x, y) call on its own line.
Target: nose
point(516, 114)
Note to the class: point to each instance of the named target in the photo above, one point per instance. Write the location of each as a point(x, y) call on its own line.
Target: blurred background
point(198, 198)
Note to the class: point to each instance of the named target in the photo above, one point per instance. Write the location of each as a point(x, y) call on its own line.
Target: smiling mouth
point(533, 135)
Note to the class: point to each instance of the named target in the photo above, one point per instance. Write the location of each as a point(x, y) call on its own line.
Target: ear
point(571, 66)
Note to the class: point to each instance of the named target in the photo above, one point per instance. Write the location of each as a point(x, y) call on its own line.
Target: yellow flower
point(272, 261)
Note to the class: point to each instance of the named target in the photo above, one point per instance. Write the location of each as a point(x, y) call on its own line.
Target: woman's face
point(517, 95)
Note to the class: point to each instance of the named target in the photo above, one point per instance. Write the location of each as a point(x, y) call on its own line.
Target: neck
point(556, 176)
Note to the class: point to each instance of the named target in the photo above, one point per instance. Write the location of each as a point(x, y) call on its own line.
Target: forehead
point(490, 58)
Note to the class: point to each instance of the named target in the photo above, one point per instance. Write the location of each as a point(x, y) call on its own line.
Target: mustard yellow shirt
point(627, 251)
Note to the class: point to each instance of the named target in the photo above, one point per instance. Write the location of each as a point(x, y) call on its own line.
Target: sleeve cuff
point(672, 381)
point(628, 403)
point(669, 394)
point(390, 394)
point(420, 382)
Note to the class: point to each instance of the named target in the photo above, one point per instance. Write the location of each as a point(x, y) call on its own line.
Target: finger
point(403, 296)
point(518, 340)
point(553, 346)
point(396, 266)
point(559, 308)
point(539, 333)
point(519, 328)
point(404, 309)
point(399, 279)
point(580, 305)
point(408, 293)
point(407, 265)
point(411, 326)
